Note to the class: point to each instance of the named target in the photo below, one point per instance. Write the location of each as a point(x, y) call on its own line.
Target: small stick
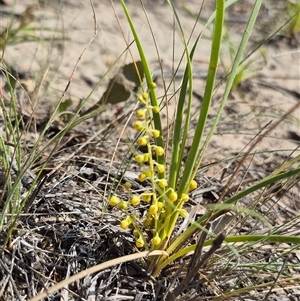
point(197, 262)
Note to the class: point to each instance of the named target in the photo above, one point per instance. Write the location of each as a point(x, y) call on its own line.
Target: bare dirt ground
point(63, 229)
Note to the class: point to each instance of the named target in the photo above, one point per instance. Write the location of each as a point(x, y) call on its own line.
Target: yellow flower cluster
point(153, 171)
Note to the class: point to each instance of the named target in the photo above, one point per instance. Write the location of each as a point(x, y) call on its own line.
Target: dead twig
point(197, 262)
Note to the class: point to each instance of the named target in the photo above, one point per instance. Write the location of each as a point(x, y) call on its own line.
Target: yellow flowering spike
point(135, 200)
point(155, 133)
point(123, 205)
point(159, 150)
point(160, 168)
point(140, 113)
point(138, 125)
point(156, 240)
point(142, 177)
point(153, 209)
point(173, 195)
point(193, 185)
point(140, 242)
point(114, 200)
point(139, 158)
point(142, 141)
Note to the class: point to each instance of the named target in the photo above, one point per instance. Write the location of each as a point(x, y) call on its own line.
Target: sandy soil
point(276, 68)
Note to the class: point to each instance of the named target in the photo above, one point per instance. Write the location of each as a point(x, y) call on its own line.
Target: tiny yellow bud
point(140, 242)
point(145, 95)
point(139, 158)
point(155, 133)
point(124, 224)
point(123, 205)
point(146, 157)
point(160, 205)
point(142, 141)
point(142, 177)
point(135, 200)
point(152, 85)
point(148, 173)
point(153, 209)
point(147, 222)
point(138, 125)
point(160, 168)
point(162, 183)
point(146, 197)
point(136, 233)
point(114, 200)
point(141, 99)
point(127, 185)
point(183, 213)
point(185, 198)
point(173, 196)
point(159, 150)
point(156, 240)
point(156, 109)
point(140, 113)
point(193, 185)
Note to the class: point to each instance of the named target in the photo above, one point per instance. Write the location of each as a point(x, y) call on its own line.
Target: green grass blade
point(179, 139)
point(214, 58)
point(288, 239)
point(148, 76)
point(261, 184)
point(232, 75)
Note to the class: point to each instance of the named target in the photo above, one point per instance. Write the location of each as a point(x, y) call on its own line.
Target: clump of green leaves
point(172, 181)
point(169, 188)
